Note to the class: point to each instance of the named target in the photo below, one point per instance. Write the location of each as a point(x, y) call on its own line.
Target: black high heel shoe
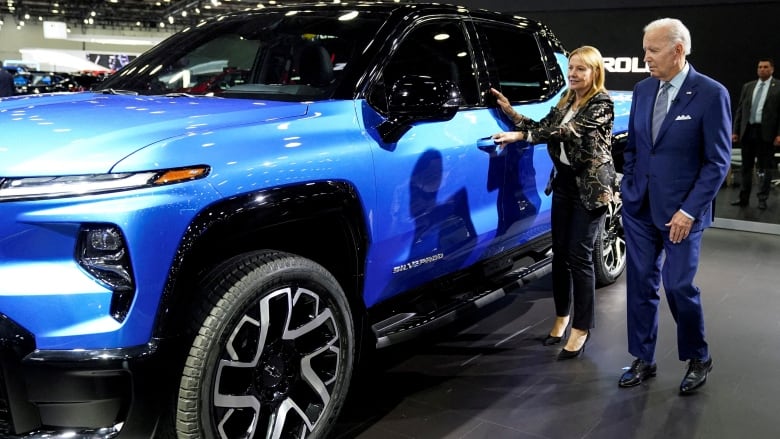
point(551, 339)
point(568, 355)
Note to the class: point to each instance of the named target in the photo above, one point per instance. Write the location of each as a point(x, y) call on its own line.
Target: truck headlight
point(32, 188)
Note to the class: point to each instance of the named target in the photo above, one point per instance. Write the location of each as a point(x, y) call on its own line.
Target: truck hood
point(86, 133)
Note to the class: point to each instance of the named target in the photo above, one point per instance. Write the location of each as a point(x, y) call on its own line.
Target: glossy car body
point(214, 266)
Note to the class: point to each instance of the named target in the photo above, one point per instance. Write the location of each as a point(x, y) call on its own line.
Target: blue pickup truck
point(206, 244)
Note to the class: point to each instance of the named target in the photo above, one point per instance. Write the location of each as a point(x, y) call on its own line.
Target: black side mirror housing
point(415, 98)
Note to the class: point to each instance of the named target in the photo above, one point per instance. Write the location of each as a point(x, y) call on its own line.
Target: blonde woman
point(578, 134)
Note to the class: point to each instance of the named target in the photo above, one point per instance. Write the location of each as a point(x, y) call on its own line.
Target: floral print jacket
point(587, 142)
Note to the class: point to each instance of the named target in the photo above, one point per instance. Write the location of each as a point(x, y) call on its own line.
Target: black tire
point(273, 355)
point(609, 251)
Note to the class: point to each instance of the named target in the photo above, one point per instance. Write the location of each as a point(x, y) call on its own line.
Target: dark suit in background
point(6, 82)
point(758, 140)
point(668, 190)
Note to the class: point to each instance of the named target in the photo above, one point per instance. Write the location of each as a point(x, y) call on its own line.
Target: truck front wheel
point(273, 354)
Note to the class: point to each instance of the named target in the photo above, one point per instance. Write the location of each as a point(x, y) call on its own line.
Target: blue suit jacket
point(686, 166)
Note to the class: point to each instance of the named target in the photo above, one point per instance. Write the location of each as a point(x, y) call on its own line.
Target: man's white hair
point(675, 31)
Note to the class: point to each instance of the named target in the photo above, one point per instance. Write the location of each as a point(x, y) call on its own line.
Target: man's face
point(765, 70)
point(661, 55)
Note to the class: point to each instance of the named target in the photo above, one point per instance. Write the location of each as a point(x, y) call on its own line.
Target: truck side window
point(522, 73)
point(438, 49)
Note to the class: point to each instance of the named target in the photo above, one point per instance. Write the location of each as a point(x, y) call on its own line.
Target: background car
point(37, 82)
point(181, 264)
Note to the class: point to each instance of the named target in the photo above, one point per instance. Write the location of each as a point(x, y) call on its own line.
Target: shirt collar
point(679, 78)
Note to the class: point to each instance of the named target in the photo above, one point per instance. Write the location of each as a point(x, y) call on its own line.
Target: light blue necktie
point(659, 111)
point(754, 106)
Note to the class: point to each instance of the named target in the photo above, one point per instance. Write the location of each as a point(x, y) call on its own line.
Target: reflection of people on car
point(578, 134)
point(444, 234)
point(440, 227)
point(512, 173)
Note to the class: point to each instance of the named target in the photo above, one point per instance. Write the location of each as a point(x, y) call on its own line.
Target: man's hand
point(679, 227)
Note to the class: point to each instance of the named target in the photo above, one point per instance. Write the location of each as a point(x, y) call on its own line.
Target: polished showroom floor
point(491, 377)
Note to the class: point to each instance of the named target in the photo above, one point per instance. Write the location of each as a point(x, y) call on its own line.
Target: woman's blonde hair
point(592, 58)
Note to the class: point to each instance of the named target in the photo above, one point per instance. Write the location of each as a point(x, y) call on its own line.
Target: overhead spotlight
point(162, 24)
point(170, 19)
point(183, 13)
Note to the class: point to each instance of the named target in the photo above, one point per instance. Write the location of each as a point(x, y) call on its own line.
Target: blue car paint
point(322, 135)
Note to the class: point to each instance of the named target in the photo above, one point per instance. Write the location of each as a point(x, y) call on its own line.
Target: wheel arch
point(322, 221)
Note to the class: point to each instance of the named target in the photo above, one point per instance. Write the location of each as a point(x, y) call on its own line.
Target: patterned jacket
point(587, 141)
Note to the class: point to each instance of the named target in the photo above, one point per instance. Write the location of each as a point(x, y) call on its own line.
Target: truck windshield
point(263, 55)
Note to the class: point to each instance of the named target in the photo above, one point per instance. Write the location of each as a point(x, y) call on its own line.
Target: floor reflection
point(750, 217)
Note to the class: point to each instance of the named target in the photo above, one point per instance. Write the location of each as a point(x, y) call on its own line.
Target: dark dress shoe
point(696, 375)
point(551, 340)
point(739, 203)
point(638, 372)
point(568, 355)
point(762, 204)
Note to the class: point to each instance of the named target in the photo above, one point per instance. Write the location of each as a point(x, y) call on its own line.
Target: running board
point(405, 326)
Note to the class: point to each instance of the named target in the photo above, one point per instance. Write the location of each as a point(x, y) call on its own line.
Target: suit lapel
point(684, 97)
point(773, 89)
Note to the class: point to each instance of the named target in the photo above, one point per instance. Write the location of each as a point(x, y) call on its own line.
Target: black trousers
point(574, 234)
point(755, 150)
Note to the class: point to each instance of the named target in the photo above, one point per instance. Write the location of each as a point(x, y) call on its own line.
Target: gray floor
point(492, 378)
point(751, 212)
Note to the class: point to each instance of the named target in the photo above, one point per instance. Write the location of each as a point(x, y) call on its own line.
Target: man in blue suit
point(677, 156)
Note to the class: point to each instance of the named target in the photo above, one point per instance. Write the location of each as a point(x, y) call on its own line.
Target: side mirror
point(416, 98)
